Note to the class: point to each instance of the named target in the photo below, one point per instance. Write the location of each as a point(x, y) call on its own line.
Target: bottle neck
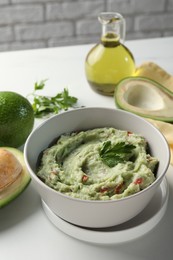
point(113, 29)
point(110, 37)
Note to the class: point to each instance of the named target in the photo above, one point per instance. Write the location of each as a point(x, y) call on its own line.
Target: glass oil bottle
point(110, 60)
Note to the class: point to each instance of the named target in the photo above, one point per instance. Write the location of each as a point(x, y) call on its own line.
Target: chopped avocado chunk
point(14, 176)
point(145, 97)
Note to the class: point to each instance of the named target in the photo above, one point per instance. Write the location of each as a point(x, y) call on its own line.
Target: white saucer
point(136, 227)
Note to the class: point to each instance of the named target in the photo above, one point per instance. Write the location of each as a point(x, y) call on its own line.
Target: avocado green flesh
point(15, 189)
point(145, 97)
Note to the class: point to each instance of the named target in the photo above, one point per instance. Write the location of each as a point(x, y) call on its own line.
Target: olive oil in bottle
point(110, 60)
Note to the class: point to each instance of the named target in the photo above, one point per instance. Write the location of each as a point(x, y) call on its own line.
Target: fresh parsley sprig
point(39, 85)
point(111, 155)
point(44, 106)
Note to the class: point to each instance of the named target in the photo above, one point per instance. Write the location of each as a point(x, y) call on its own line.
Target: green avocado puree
point(74, 167)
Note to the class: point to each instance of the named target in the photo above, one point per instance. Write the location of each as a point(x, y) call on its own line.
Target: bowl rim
point(156, 182)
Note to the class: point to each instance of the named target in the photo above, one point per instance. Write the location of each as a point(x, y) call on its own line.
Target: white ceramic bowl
point(95, 213)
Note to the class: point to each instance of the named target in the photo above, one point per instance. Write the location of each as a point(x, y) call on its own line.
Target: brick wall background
point(28, 24)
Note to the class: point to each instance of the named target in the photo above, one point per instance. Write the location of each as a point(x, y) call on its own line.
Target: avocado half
point(145, 97)
point(15, 181)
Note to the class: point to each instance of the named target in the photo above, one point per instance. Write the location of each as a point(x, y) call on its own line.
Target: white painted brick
point(27, 45)
point(73, 10)
point(85, 27)
point(20, 13)
point(6, 34)
point(154, 22)
point(73, 40)
point(26, 24)
point(135, 6)
point(3, 2)
point(29, 1)
point(168, 33)
point(44, 31)
point(129, 23)
point(11, 46)
point(170, 5)
point(143, 35)
point(4, 47)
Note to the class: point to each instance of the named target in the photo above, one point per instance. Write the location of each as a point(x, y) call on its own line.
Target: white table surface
point(25, 231)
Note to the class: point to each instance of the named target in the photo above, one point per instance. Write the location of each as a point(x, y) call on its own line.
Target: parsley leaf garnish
point(111, 155)
point(45, 106)
point(39, 85)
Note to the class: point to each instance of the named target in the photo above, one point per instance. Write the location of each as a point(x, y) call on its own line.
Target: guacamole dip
point(98, 164)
